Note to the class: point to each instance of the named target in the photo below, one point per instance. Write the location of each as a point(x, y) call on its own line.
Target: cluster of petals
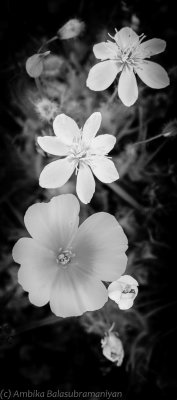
point(112, 348)
point(66, 264)
point(127, 55)
point(123, 291)
point(82, 151)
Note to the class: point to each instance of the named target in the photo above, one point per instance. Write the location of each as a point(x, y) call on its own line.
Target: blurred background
point(37, 349)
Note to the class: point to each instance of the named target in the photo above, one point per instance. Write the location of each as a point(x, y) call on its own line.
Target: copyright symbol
point(5, 394)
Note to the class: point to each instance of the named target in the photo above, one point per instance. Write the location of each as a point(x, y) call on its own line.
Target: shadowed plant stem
point(48, 42)
point(112, 97)
point(124, 195)
point(38, 324)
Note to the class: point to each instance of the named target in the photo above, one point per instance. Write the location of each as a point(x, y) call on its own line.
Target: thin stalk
point(48, 42)
point(124, 195)
point(112, 97)
point(35, 325)
point(149, 140)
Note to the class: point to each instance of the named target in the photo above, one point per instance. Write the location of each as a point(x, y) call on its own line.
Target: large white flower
point(127, 55)
point(83, 152)
point(64, 264)
point(123, 291)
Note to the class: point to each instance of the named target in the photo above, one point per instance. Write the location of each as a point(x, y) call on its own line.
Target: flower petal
point(91, 127)
point(85, 186)
point(102, 144)
point(65, 128)
point(53, 224)
point(153, 75)
point(104, 169)
point(105, 50)
point(71, 295)
point(128, 280)
point(100, 246)
point(102, 75)
point(125, 304)
point(38, 269)
point(115, 291)
point(127, 87)
point(52, 145)
point(126, 37)
point(151, 47)
point(41, 296)
point(27, 249)
point(57, 173)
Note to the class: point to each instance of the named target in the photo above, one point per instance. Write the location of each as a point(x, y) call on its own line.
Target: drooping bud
point(112, 348)
point(34, 64)
point(123, 291)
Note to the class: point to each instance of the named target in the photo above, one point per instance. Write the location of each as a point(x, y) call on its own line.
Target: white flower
point(127, 55)
point(64, 264)
point(46, 108)
point(123, 291)
point(83, 152)
point(113, 348)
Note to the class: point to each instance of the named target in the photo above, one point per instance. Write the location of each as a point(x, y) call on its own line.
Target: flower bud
point(123, 291)
point(71, 29)
point(113, 348)
point(34, 64)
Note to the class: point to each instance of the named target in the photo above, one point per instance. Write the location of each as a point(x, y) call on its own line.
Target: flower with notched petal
point(127, 55)
point(63, 263)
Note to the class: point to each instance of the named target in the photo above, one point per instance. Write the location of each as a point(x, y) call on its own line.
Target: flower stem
point(149, 140)
point(47, 42)
point(35, 325)
point(112, 97)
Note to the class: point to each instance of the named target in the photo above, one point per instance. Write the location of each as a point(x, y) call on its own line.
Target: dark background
point(66, 354)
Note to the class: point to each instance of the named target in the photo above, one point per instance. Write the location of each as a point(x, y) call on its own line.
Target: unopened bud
point(71, 29)
point(34, 64)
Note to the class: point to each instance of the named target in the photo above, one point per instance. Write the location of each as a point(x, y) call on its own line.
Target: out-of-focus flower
point(54, 66)
point(35, 64)
point(113, 348)
point(127, 55)
point(64, 264)
point(46, 108)
point(83, 152)
point(74, 27)
point(123, 291)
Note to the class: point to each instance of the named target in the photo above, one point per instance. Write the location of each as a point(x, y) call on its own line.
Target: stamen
point(64, 257)
point(128, 289)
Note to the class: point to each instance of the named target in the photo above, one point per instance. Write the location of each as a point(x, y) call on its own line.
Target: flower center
point(79, 152)
point(128, 289)
point(64, 257)
point(129, 55)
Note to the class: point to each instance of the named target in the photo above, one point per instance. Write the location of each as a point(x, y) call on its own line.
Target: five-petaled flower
point(83, 152)
point(127, 55)
point(123, 291)
point(65, 264)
